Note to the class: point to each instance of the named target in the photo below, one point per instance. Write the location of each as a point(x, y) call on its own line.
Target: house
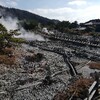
point(92, 22)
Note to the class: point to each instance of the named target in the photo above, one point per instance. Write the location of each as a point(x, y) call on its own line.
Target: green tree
point(74, 25)
point(62, 26)
point(29, 25)
point(3, 32)
point(6, 36)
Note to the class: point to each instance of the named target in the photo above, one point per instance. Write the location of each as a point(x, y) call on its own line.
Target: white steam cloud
point(30, 35)
point(11, 24)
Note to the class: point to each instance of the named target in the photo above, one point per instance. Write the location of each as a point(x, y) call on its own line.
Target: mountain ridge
point(24, 15)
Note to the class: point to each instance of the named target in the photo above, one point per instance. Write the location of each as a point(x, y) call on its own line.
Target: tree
point(65, 26)
point(6, 36)
point(29, 25)
point(62, 26)
point(3, 32)
point(74, 25)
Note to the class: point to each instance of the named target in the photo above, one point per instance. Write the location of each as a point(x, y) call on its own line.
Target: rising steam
point(30, 35)
point(11, 24)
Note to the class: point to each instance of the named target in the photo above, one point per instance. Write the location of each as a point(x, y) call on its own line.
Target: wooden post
point(88, 95)
point(97, 80)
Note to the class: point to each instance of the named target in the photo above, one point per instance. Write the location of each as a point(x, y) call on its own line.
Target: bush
point(35, 58)
point(18, 40)
point(7, 60)
point(79, 88)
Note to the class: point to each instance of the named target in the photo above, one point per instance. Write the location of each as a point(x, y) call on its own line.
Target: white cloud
point(59, 13)
point(78, 2)
point(56, 11)
point(71, 14)
point(10, 3)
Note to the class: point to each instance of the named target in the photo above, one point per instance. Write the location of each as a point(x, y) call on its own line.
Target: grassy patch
point(4, 59)
point(18, 40)
point(94, 65)
point(6, 51)
point(79, 89)
point(6, 56)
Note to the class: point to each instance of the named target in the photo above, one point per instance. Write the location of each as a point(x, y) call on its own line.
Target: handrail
point(92, 86)
point(92, 90)
point(75, 41)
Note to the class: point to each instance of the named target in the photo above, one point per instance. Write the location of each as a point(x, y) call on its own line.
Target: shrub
point(35, 57)
point(7, 60)
point(94, 65)
point(79, 88)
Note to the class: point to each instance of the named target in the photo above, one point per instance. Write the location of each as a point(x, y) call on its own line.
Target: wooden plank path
point(67, 39)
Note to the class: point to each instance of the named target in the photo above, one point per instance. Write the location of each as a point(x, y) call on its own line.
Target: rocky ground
point(38, 74)
point(26, 80)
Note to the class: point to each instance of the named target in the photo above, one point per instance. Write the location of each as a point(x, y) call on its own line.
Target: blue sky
point(80, 10)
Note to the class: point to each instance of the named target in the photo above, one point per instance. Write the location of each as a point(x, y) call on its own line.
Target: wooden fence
point(93, 90)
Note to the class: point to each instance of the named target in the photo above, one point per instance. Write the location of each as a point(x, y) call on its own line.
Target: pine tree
point(6, 37)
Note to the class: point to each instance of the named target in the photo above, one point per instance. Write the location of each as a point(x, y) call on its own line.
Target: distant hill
point(24, 15)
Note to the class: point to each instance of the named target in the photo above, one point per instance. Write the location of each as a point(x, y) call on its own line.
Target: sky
point(68, 10)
